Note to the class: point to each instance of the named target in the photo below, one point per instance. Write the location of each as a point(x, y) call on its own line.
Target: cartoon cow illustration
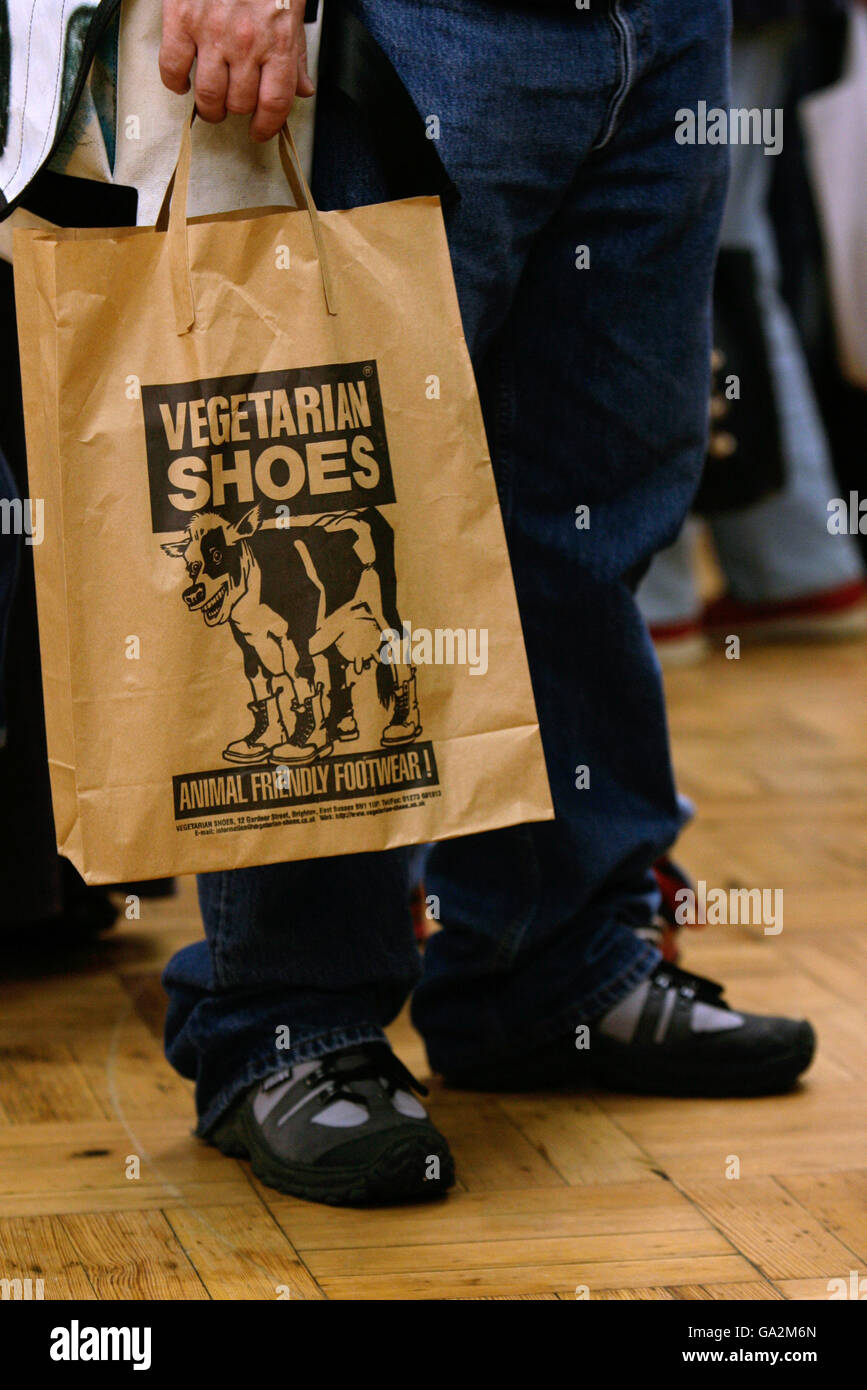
point(306, 606)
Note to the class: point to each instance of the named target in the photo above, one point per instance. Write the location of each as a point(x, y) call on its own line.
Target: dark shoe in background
point(82, 914)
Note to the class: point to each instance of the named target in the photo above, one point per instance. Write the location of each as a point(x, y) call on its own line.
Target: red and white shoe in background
point(680, 644)
point(832, 615)
point(664, 931)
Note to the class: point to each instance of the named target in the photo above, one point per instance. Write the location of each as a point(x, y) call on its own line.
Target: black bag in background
point(817, 63)
point(745, 461)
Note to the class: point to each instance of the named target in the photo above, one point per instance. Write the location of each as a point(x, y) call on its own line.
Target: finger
point(212, 84)
point(243, 91)
point(177, 54)
point(276, 94)
point(305, 86)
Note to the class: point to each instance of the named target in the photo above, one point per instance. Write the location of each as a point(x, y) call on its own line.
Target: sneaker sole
point(677, 652)
point(642, 1073)
point(324, 752)
point(832, 627)
point(246, 762)
point(393, 1178)
point(399, 742)
point(775, 1075)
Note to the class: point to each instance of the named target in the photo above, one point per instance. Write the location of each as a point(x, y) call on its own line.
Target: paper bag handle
point(173, 220)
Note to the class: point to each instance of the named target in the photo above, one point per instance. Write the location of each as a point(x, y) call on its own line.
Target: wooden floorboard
point(615, 1196)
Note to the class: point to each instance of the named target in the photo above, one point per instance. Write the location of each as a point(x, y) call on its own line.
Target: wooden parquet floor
point(626, 1197)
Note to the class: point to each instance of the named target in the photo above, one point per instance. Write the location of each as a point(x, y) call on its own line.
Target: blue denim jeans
point(558, 129)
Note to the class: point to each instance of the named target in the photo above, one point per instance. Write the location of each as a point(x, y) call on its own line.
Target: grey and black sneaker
point(673, 1035)
point(345, 1129)
point(676, 1035)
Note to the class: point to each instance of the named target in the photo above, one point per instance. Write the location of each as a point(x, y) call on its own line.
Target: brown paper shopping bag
point(276, 613)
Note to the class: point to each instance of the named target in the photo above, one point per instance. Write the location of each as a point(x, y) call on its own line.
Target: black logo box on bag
point(299, 442)
point(304, 451)
point(329, 779)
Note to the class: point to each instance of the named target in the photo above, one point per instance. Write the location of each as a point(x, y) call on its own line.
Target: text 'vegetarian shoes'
point(345, 1129)
point(672, 1035)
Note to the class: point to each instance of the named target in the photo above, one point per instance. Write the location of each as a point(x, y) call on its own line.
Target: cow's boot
point(341, 720)
point(267, 732)
point(405, 722)
point(309, 738)
point(344, 1129)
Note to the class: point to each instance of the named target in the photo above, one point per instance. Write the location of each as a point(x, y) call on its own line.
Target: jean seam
point(626, 62)
point(219, 931)
point(509, 941)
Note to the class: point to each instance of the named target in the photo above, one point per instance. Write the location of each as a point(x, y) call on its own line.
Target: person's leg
point(322, 948)
point(279, 1015)
point(780, 548)
point(593, 384)
point(326, 947)
point(595, 393)
point(594, 388)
